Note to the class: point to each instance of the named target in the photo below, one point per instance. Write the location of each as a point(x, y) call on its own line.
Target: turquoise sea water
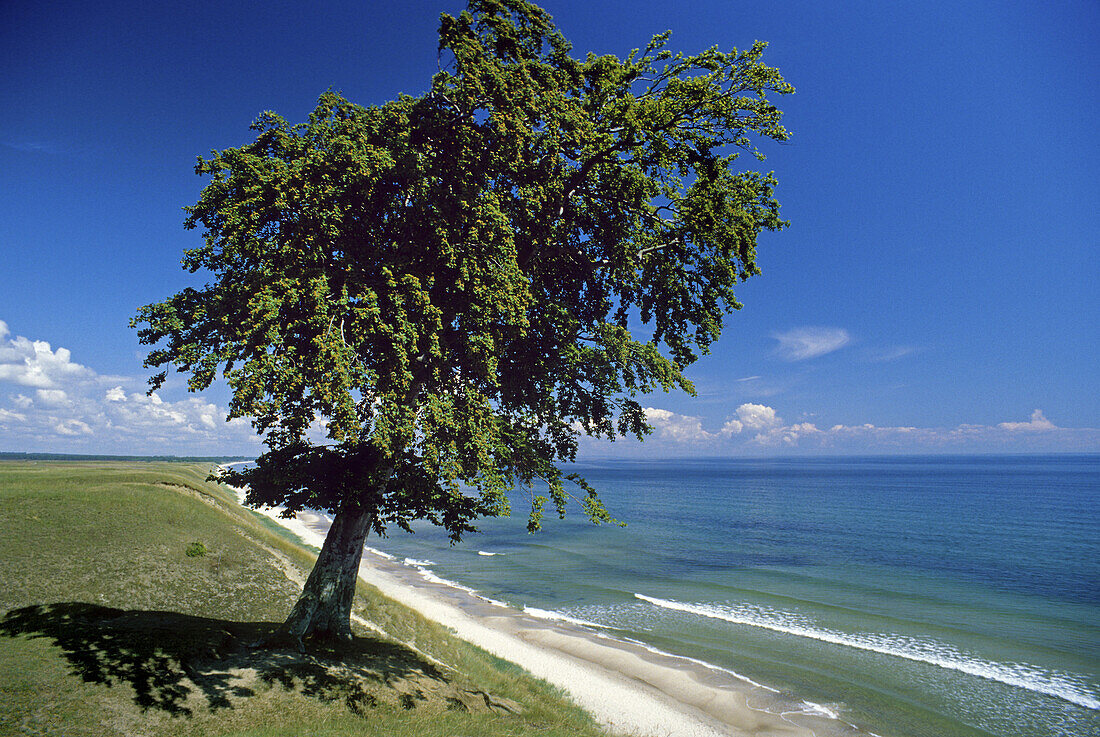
point(915, 597)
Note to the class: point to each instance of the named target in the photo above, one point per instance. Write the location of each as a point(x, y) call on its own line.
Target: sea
point(942, 596)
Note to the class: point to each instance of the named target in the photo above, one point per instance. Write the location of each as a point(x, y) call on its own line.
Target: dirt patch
point(192, 492)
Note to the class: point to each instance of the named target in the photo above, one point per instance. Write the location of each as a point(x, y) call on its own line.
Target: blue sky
point(937, 286)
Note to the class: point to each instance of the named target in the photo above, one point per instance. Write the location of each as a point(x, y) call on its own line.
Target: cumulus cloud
point(1005, 436)
point(1038, 422)
point(33, 363)
point(148, 415)
point(52, 397)
point(810, 342)
point(732, 427)
point(758, 417)
point(758, 428)
point(766, 426)
point(67, 409)
point(72, 427)
point(793, 433)
point(749, 418)
point(757, 424)
point(681, 428)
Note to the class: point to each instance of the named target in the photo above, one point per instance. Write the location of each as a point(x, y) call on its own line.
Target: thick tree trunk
point(324, 609)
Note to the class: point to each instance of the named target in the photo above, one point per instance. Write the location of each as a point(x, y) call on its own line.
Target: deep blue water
point(917, 597)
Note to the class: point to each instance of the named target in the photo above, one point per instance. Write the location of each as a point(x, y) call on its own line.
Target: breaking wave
point(1021, 675)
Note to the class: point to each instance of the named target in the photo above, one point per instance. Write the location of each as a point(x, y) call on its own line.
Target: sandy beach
point(627, 686)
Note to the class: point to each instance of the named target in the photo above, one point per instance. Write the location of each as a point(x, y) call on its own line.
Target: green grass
point(109, 627)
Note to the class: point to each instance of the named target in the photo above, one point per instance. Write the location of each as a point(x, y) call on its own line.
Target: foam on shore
point(1021, 675)
point(628, 686)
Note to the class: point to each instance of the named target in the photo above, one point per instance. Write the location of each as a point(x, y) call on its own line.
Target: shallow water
point(915, 597)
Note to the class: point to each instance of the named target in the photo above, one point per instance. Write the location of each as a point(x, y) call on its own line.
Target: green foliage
point(196, 550)
point(447, 282)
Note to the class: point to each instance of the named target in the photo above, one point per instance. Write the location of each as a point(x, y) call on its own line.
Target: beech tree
point(422, 305)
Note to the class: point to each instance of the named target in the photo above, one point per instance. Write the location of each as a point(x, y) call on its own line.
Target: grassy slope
point(107, 627)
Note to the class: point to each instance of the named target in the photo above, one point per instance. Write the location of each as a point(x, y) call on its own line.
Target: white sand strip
point(605, 693)
point(629, 688)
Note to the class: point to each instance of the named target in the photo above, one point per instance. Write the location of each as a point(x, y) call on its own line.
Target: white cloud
point(1037, 435)
point(757, 417)
point(1038, 422)
point(35, 364)
point(7, 414)
point(798, 431)
point(732, 427)
point(191, 418)
point(52, 397)
point(770, 429)
point(72, 427)
point(758, 428)
point(680, 428)
point(751, 417)
point(74, 409)
point(810, 342)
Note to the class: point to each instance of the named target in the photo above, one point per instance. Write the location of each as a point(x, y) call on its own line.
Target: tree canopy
point(425, 303)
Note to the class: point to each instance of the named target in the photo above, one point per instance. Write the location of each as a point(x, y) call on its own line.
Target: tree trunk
point(323, 610)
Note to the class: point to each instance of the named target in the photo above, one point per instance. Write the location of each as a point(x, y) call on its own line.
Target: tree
point(443, 286)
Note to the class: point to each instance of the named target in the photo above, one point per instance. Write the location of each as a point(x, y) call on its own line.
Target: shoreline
point(626, 685)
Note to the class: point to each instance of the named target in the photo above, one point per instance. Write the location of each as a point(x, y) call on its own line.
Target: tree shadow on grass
point(177, 663)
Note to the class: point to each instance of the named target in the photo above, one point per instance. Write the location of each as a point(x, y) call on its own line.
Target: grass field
point(131, 598)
